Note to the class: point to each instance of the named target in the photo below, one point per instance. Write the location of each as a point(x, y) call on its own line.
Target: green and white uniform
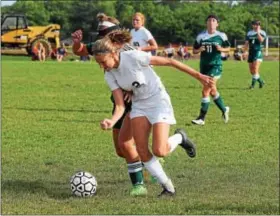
point(211, 65)
point(210, 59)
point(255, 46)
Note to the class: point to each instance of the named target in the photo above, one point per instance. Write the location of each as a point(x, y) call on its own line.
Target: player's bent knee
point(159, 152)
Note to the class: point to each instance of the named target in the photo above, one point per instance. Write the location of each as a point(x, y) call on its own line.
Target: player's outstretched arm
point(119, 110)
point(161, 61)
point(78, 47)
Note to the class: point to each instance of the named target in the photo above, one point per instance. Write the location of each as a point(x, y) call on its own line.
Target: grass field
point(50, 130)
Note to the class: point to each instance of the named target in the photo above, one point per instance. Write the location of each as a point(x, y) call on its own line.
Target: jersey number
point(208, 48)
point(253, 41)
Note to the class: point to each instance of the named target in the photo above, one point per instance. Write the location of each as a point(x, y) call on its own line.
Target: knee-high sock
point(135, 172)
point(155, 169)
point(205, 102)
point(219, 102)
point(255, 78)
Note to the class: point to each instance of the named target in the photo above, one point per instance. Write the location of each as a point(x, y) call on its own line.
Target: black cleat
point(187, 144)
point(261, 84)
point(166, 193)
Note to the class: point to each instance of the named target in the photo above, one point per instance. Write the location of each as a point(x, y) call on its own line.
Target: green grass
point(50, 130)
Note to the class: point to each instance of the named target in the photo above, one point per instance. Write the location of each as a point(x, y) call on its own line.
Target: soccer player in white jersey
point(210, 44)
point(254, 40)
point(151, 105)
point(122, 134)
point(142, 37)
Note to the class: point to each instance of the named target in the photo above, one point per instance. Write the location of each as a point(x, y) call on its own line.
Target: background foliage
point(169, 21)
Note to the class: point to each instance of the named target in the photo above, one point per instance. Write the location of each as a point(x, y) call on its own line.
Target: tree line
point(169, 21)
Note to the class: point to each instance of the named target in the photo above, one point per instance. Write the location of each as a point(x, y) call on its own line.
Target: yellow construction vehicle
point(16, 33)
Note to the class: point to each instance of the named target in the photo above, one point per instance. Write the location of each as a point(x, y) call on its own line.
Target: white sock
point(256, 76)
point(169, 186)
point(174, 141)
point(156, 170)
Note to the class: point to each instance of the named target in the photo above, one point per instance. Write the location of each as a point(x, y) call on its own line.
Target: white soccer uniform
point(170, 50)
point(141, 37)
point(149, 97)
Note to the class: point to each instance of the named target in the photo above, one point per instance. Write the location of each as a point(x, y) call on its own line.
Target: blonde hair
point(142, 17)
point(111, 42)
point(103, 17)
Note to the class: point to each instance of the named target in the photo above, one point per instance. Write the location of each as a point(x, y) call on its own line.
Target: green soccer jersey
point(255, 46)
point(211, 56)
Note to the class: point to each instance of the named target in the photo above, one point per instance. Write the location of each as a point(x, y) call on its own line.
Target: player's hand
point(206, 80)
point(77, 36)
point(106, 124)
point(258, 29)
point(219, 48)
point(127, 96)
point(202, 48)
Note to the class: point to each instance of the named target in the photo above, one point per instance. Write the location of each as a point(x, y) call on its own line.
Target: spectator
point(170, 51)
point(181, 52)
point(61, 53)
point(38, 52)
point(224, 56)
point(239, 54)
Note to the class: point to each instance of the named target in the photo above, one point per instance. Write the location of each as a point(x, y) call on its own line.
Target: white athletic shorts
point(156, 109)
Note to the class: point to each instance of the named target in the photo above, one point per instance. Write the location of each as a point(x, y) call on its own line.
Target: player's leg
point(251, 61)
point(205, 102)
point(124, 146)
point(257, 68)
point(134, 164)
point(115, 134)
point(218, 100)
point(164, 145)
point(141, 130)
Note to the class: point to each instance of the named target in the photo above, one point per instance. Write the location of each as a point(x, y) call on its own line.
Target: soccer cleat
point(261, 84)
point(187, 144)
point(168, 189)
point(198, 122)
point(226, 115)
point(138, 190)
point(166, 192)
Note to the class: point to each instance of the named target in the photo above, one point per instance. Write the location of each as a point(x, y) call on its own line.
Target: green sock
point(219, 102)
point(253, 82)
point(205, 102)
point(260, 80)
point(135, 173)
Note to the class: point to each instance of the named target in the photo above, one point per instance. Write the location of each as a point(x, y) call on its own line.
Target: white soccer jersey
point(252, 33)
point(134, 74)
point(141, 37)
point(169, 50)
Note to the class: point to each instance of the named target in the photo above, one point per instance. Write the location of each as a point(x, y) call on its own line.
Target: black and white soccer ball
point(83, 184)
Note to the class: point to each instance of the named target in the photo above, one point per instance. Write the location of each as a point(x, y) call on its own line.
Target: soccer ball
point(83, 184)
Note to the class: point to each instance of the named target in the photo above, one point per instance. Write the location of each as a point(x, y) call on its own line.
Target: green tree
point(35, 12)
